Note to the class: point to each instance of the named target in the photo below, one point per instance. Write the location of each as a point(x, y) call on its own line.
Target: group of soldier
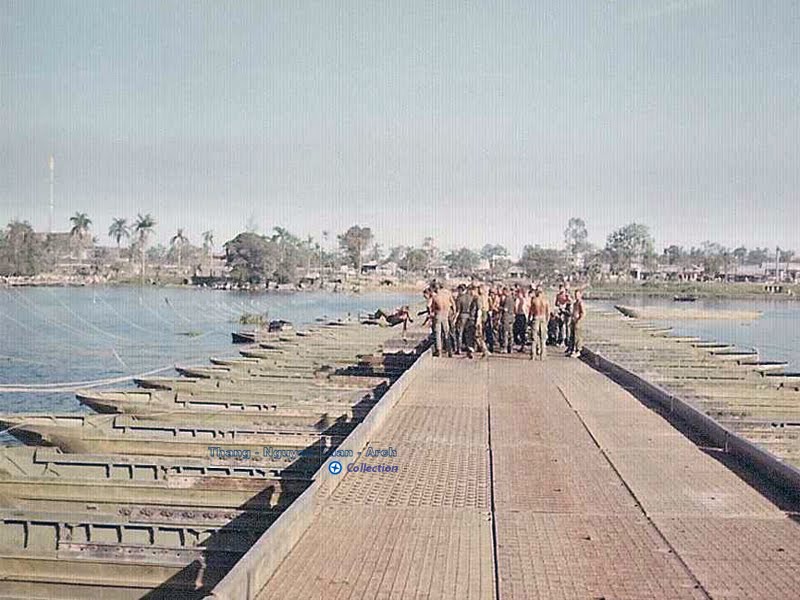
point(487, 319)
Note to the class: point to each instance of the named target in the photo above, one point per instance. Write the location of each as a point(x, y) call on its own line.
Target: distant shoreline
point(702, 291)
point(344, 288)
point(706, 290)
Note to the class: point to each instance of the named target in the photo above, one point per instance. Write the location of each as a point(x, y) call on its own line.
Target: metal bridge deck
point(520, 479)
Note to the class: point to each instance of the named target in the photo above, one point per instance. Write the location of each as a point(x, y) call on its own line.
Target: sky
point(471, 122)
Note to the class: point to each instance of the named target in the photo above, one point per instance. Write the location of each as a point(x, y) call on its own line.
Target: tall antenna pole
point(52, 164)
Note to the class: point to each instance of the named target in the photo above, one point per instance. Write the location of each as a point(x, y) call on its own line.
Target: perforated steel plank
point(453, 424)
point(428, 475)
point(567, 523)
point(642, 429)
point(536, 423)
point(589, 390)
point(558, 480)
point(688, 484)
point(578, 557)
point(739, 557)
point(362, 553)
point(450, 382)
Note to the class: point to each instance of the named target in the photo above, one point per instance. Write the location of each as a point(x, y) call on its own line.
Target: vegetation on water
point(253, 319)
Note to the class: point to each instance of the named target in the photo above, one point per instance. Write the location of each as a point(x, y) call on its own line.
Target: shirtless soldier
point(442, 305)
point(539, 315)
point(481, 310)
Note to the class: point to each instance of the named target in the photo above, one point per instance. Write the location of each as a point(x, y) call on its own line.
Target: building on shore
point(788, 272)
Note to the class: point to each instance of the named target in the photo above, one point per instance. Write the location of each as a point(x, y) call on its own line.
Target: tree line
point(23, 252)
point(281, 256)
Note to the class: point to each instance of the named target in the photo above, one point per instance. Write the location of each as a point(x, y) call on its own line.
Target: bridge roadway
point(520, 479)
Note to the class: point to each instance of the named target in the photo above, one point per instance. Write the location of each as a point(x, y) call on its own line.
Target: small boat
point(233, 361)
point(792, 376)
point(165, 383)
point(684, 298)
point(128, 434)
point(683, 339)
point(763, 366)
point(244, 337)
point(657, 331)
point(202, 372)
point(252, 336)
point(713, 346)
point(628, 311)
point(280, 325)
point(175, 406)
point(735, 354)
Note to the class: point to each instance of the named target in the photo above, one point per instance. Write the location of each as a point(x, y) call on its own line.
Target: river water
point(69, 335)
point(776, 333)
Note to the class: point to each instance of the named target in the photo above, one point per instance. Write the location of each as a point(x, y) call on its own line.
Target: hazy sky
point(468, 121)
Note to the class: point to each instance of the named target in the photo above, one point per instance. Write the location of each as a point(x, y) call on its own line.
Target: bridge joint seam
point(495, 559)
point(607, 458)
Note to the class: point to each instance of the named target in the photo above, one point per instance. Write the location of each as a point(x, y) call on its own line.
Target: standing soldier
point(562, 310)
point(520, 319)
point(578, 314)
point(442, 305)
point(507, 323)
point(567, 318)
point(540, 315)
point(451, 319)
point(490, 331)
point(480, 319)
point(463, 303)
point(498, 319)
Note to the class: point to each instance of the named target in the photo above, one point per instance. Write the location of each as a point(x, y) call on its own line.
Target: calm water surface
point(71, 335)
point(68, 335)
point(776, 333)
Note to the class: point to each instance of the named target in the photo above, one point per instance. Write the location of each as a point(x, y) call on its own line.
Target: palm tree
point(119, 229)
point(208, 241)
point(310, 249)
point(325, 235)
point(80, 229)
point(178, 241)
point(143, 227)
point(80, 224)
point(283, 236)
